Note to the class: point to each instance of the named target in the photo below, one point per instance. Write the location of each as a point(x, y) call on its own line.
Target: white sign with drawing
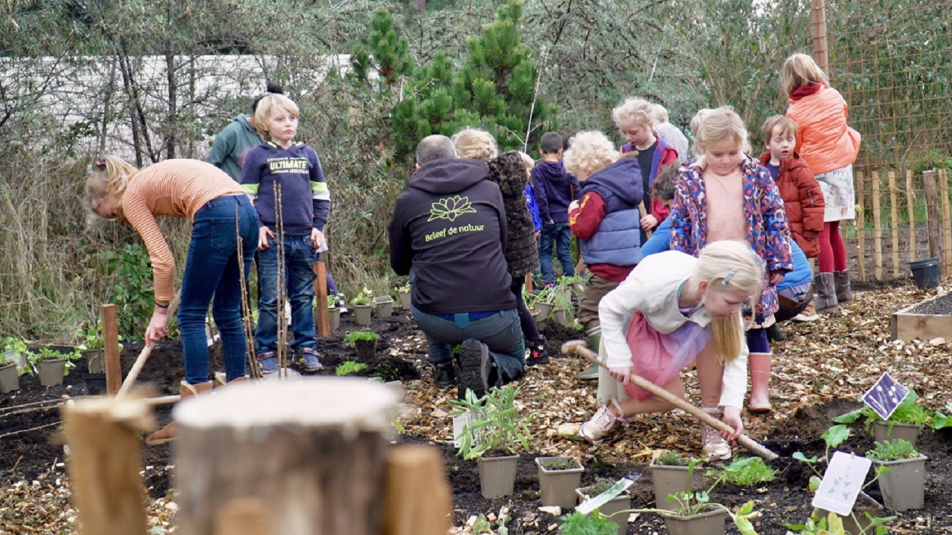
point(460, 423)
point(885, 396)
point(841, 483)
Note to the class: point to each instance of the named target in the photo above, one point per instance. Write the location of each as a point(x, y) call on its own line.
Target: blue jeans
point(212, 271)
point(501, 332)
point(299, 258)
point(561, 235)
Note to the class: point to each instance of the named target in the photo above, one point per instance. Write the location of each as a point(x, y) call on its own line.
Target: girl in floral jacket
point(724, 195)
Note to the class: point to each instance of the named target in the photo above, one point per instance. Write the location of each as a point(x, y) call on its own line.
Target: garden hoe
point(143, 356)
point(579, 348)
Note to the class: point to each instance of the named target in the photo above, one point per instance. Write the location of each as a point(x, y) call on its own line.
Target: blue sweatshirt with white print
point(305, 199)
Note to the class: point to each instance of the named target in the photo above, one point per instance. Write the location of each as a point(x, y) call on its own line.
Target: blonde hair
point(475, 144)
point(786, 125)
point(110, 176)
point(729, 265)
point(526, 159)
point(659, 114)
point(698, 119)
point(591, 151)
point(268, 103)
point(719, 125)
point(800, 70)
point(638, 110)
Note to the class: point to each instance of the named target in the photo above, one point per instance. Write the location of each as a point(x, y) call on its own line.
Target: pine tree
point(383, 50)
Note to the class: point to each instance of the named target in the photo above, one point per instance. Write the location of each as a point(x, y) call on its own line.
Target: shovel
point(143, 356)
point(578, 347)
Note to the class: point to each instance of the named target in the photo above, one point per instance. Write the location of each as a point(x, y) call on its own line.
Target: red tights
point(832, 249)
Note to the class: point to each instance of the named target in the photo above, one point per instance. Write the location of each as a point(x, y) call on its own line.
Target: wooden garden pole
point(418, 497)
point(323, 317)
point(305, 456)
point(105, 461)
point(946, 219)
point(861, 226)
point(820, 49)
point(935, 218)
point(529, 283)
point(877, 228)
point(894, 214)
point(110, 344)
point(911, 208)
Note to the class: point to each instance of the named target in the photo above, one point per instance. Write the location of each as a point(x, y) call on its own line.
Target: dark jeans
point(212, 276)
point(561, 236)
point(501, 333)
point(299, 258)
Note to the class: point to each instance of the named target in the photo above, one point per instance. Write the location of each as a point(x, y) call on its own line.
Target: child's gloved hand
point(263, 234)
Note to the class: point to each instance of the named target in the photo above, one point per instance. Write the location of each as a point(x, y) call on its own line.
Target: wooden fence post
point(894, 219)
point(936, 244)
point(105, 461)
point(877, 228)
point(946, 218)
point(818, 18)
point(110, 344)
point(307, 456)
point(861, 226)
point(911, 208)
point(418, 497)
point(322, 319)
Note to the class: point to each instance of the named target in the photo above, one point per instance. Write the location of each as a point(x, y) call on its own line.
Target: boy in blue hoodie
point(235, 140)
point(285, 180)
point(554, 189)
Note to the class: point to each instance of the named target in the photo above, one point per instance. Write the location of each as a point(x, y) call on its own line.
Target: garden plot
point(927, 320)
point(820, 371)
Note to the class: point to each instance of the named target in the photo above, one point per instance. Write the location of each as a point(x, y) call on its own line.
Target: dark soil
point(940, 306)
point(29, 452)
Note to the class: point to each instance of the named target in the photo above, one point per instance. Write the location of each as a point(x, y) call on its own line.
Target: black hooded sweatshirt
point(450, 228)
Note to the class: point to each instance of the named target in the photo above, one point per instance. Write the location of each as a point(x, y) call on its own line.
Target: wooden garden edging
point(906, 325)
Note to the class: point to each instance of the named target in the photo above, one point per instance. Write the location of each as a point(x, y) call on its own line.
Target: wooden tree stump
point(305, 456)
point(105, 461)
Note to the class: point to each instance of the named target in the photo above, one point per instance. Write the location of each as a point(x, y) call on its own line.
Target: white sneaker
point(713, 445)
point(602, 423)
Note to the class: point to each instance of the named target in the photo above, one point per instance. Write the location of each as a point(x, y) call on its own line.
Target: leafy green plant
point(576, 523)
point(695, 503)
point(133, 294)
point(908, 412)
point(349, 368)
point(561, 463)
point(363, 336)
point(746, 472)
point(405, 289)
point(671, 458)
point(940, 420)
point(832, 524)
point(363, 297)
point(495, 426)
point(15, 345)
point(893, 450)
point(331, 301)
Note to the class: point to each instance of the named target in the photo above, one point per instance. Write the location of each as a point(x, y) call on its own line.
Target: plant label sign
point(841, 483)
point(460, 423)
point(885, 396)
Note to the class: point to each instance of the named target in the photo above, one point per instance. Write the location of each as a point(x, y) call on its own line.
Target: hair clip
point(729, 276)
point(100, 162)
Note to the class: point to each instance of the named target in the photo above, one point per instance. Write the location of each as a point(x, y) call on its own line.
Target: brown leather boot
point(168, 432)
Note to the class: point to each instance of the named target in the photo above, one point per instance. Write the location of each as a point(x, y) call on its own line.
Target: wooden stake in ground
point(323, 317)
point(105, 461)
point(894, 220)
point(877, 228)
point(911, 210)
point(110, 343)
point(578, 347)
point(418, 495)
point(306, 456)
point(936, 243)
point(860, 226)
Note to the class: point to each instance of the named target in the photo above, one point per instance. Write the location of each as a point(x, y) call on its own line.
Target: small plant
point(893, 450)
point(15, 345)
point(908, 412)
point(360, 336)
point(331, 301)
point(45, 353)
point(364, 297)
point(566, 463)
point(576, 523)
point(349, 368)
point(746, 472)
point(940, 420)
point(496, 424)
point(695, 503)
point(405, 289)
point(671, 458)
point(601, 485)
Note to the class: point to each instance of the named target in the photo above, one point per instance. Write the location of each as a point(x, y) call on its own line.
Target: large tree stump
point(105, 461)
point(305, 456)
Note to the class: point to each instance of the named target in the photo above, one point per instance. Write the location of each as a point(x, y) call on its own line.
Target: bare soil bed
point(819, 372)
point(941, 306)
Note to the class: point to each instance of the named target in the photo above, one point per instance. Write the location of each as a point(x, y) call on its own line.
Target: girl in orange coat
point(829, 147)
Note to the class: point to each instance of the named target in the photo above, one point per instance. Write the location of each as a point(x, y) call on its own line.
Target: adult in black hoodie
point(448, 233)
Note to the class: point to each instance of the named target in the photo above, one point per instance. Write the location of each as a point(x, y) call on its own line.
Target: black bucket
point(925, 273)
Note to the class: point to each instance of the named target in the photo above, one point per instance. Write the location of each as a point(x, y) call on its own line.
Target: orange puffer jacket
point(802, 201)
point(825, 141)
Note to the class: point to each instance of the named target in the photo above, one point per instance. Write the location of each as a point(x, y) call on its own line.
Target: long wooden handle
point(644, 212)
point(143, 356)
point(578, 347)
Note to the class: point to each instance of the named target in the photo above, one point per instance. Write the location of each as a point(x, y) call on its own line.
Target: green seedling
point(364, 297)
point(567, 463)
point(576, 523)
point(671, 458)
point(349, 368)
point(746, 472)
point(496, 423)
point(893, 450)
point(362, 336)
point(908, 412)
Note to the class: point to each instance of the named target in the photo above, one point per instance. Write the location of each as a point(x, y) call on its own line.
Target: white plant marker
point(841, 483)
point(885, 395)
point(460, 422)
point(620, 486)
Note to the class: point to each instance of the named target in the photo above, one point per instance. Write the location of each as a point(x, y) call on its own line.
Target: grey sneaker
point(602, 423)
